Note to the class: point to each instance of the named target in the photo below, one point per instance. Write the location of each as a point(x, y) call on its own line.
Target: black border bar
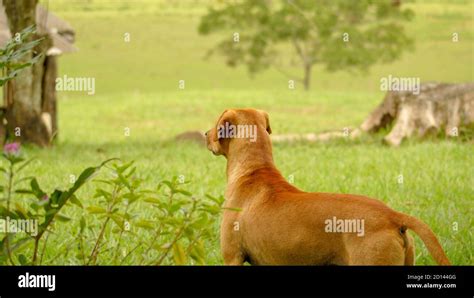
point(191, 281)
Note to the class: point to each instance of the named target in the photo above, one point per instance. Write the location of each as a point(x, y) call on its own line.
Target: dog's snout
point(206, 133)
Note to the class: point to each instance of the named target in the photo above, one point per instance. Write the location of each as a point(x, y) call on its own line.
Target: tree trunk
point(437, 107)
point(49, 106)
point(307, 76)
point(23, 101)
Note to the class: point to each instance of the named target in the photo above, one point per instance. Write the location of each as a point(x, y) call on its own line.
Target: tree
point(339, 34)
point(10, 67)
point(23, 95)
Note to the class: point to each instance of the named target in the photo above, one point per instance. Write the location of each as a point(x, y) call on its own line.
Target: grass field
point(137, 87)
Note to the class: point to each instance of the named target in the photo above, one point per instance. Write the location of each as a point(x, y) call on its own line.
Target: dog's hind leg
point(382, 248)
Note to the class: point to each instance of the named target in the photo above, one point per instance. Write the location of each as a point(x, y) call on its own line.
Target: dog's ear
point(219, 145)
point(225, 119)
point(267, 121)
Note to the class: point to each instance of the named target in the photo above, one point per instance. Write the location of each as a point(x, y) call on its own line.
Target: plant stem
point(95, 251)
point(130, 252)
point(35, 251)
point(120, 238)
point(176, 238)
point(44, 249)
point(81, 244)
point(157, 234)
point(9, 194)
point(178, 235)
point(158, 231)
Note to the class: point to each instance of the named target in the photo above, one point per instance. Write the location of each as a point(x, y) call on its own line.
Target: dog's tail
point(428, 237)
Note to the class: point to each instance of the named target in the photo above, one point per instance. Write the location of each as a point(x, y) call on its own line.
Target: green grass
point(137, 87)
point(165, 47)
point(439, 192)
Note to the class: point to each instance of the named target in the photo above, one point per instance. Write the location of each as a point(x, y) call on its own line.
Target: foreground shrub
point(164, 225)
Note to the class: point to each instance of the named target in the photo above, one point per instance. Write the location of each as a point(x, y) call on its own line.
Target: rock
point(192, 136)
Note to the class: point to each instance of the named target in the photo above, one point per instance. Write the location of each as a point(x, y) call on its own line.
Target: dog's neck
point(243, 160)
point(254, 163)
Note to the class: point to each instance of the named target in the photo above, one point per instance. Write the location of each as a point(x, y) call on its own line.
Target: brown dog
point(269, 221)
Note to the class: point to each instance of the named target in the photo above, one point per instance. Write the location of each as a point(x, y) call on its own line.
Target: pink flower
point(45, 198)
point(11, 148)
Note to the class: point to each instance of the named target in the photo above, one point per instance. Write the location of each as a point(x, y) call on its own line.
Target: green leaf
point(102, 193)
point(202, 222)
point(124, 167)
point(20, 243)
point(22, 259)
point(175, 207)
point(179, 256)
point(62, 218)
point(24, 191)
point(54, 198)
point(131, 172)
point(184, 192)
point(169, 184)
point(21, 211)
point(96, 210)
point(198, 253)
point(146, 224)
point(76, 201)
point(14, 159)
point(124, 181)
point(152, 200)
point(103, 181)
point(82, 224)
point(189, 232)
point(117, 219)
point(51, 212)
point(37, 204)
point(87, 174)
point(218, 200)
point(35, 188)
point(83, 177)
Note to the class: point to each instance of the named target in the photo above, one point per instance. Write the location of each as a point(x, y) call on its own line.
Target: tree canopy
point(338, 34)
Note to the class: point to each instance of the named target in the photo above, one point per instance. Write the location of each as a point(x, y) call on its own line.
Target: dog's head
point(246, 127)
